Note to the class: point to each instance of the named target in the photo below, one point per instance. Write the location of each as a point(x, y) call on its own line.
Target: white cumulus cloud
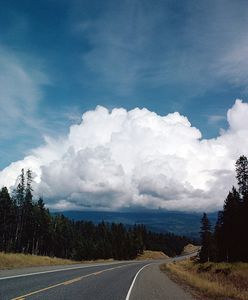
point(123, 159)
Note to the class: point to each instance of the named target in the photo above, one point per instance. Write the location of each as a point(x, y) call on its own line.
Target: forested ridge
point(27, 226)
point(228, 240)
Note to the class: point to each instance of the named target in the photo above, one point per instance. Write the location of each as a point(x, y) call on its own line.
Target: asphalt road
point(116, 280)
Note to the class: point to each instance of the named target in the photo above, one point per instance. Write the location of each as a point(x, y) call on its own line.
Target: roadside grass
point(212, 280)
point(148, 254)
point(18, 260)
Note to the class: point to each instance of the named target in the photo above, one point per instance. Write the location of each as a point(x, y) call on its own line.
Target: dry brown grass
point(213, 280)
point(188, 249)
point(148, 254)
point(17, 260)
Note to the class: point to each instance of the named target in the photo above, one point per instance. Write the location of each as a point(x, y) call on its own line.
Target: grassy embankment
point(18, 260)
point(188, 249)
point(211, 280)
point(148, 254)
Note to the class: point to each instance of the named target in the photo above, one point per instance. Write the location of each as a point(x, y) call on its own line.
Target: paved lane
point(104, 281)
point(126, 280)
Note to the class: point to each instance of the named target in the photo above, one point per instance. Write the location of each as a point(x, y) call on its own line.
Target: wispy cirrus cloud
point(215, 119)
point(196, 45)
point(20, 85)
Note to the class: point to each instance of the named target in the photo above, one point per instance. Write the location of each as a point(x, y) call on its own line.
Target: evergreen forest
point(27, 226)
point(228, 240)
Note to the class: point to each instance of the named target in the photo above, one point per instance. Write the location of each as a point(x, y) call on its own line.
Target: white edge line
point(133, 282)
point(59, 270)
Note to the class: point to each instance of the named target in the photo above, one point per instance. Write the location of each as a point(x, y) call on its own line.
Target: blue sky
point(59, 59)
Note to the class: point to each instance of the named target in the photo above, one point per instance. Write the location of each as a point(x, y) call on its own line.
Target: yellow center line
point(73, 280)
point(64, 283)
point(97, 273)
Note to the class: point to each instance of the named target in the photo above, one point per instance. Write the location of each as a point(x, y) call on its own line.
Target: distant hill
point(180, 223)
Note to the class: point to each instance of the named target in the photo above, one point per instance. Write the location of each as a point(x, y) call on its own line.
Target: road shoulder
point(152, 283)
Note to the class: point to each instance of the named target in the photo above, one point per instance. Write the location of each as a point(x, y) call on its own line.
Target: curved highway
point(106, 281)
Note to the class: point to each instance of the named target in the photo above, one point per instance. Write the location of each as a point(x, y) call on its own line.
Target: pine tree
point(42, 225)
point(219, 238)
point(242, 175)
point(242, 178)
point(7, 221)
point(231, 226)
point(28, 216)
point(206, 240)
point(19, 196)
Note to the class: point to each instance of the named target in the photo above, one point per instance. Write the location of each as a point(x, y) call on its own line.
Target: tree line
point(228, 241)
point(27, 226)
